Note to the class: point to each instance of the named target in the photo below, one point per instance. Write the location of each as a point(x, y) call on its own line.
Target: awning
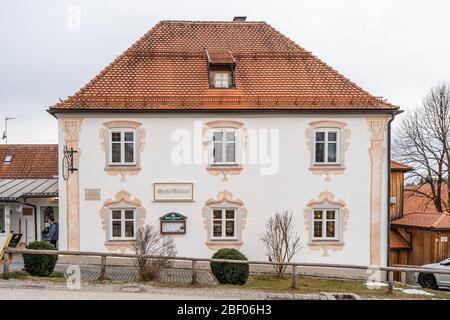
point(13, 189)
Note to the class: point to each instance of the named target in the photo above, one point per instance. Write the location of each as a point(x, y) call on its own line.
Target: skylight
point(8, 158)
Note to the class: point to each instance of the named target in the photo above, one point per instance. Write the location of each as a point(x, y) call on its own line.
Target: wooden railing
point(294, 265)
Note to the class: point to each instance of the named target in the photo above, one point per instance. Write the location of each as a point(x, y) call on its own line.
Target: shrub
point(41, 265)
point(230, 273)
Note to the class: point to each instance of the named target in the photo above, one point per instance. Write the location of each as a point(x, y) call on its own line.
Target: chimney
point(239, 19)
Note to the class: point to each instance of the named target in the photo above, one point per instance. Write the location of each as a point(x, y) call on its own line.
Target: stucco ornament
point(225, 171)
point(121, 197)
point(224, 198)
point(326, 198)
point(328, 170)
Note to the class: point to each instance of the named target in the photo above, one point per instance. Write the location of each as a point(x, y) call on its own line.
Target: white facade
point(289, 185)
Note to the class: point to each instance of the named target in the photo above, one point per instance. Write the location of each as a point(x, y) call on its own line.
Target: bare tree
point(150, 242)
point(281, 240)
point(422, 140)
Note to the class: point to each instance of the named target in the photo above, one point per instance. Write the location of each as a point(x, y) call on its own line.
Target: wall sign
point(165, 191)
point(173, 223)
point(91, 194)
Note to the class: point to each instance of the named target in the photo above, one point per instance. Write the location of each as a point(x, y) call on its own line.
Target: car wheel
point(427, 280)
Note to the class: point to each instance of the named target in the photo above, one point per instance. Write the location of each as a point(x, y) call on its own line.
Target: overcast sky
point(50, 48)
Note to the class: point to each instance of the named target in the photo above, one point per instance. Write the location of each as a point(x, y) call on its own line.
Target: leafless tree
point(281, 240)
point(150, 242)
point(422, 140)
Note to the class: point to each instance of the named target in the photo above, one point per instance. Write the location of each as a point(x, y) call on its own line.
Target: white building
point(224, 124)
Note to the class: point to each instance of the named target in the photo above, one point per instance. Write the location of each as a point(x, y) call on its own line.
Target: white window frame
point(122, 146)
point(324, 224)
point(219, 76)
point(224, 219)
point(325, 142)
point(224, 143)
point(122, 225)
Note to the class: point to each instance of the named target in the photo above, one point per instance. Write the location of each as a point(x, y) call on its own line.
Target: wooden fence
point(294, 265)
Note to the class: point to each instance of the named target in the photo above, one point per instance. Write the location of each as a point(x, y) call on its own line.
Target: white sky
point(395, 49)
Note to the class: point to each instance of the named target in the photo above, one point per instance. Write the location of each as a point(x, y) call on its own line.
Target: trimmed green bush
point(230, 273)
point(41, 265)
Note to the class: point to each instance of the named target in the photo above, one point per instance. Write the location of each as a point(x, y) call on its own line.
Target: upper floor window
point(224, 223)
point(122, 224)
point(326, 146)
point(122, 146)
point(325, 224)
point(221, 79)
point(224, 146)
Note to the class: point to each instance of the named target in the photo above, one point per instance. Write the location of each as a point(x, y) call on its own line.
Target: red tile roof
point(397, 241)
point(397, 166)
point(431, 220)
point(166, 69)
point(29, 161)
point(416, 199)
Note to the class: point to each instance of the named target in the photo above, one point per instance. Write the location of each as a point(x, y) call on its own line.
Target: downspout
point(388, 261)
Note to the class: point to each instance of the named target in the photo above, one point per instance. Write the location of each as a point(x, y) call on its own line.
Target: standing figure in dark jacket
point(53, 231)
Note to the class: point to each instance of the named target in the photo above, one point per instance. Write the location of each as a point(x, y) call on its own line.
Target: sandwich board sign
point(12, 241)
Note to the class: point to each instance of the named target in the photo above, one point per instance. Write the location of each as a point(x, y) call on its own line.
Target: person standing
point(53, 231)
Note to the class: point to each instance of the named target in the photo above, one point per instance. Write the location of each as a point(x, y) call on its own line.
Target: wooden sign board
point(12, 241)
point(27, 211)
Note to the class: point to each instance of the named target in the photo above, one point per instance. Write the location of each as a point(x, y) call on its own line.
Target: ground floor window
point(325, 224)
point(224, 222)
point(123, 223)
point(2, 219)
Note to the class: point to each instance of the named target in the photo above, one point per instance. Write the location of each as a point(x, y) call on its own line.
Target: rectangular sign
point(177, 191)
point(91, 194)
point(173, 227)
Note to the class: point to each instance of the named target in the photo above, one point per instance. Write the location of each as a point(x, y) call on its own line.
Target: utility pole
point(5, 133)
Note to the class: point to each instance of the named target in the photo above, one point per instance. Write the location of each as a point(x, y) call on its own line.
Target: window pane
point(116, 229)
point(332, 136)
point(129, 136)
point(229, 136)
point(217, 228)
point(115, 136)
point(129, 229)
point(229, 214)
point(217, 214)
point(317, 215)
point(230, 149)
point(320, 152)
point(217, 152)
point(116, 214)
point(218, 136)
point(331, 214)
point(115, 151)
point(317, 229)
point(229, 228)
point(331, 229)
point(129, 152)
point(332, 152)
point(320, 136)
point(129, 214)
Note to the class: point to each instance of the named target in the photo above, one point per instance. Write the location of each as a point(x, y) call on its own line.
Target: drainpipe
point(388, 261)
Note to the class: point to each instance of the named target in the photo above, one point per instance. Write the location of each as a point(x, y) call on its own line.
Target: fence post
point(294, 276)
point(403, 278)
point(6, 258)
point(390, 281)
point(194, 271)
point(102, 268)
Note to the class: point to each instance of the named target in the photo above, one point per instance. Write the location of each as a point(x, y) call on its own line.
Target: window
point(325, 224)
point(224, 146)
point(224, 223)
point(122, 147)
point(326, 146)
point(221, 79)
point(122, 224)
point(2, 219)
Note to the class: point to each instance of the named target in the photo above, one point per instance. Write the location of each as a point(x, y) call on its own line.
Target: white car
point(435, 280)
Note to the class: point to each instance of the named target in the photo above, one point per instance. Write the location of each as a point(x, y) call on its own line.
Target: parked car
point(434, 280)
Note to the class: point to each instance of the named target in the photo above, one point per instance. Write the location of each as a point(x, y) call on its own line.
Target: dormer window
point(8, 158)
point(221, 66)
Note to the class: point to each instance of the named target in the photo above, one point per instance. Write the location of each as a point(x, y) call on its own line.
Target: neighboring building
point(28, 189)
point(207, 129)
point(397, 189)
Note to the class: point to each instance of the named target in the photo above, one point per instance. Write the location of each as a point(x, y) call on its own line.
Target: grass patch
point(23, 275)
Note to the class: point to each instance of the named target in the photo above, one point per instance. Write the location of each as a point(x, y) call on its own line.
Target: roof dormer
point(221, 69)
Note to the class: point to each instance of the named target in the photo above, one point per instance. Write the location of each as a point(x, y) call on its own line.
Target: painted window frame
point(122, 220)
point(324, 220)
point(122, 142)
point(338, 142)
point(224, 143)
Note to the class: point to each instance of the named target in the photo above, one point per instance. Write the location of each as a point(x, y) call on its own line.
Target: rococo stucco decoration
point(123, 171)
point(327, 171)
point(377, 129)
point(225, 171)
point(326, 198)
point(223, 198)
point(121, 197)
point(72, 128)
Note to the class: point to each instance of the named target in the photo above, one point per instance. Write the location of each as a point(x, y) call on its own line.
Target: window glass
point(230, 151)
point(116, 152)
point(221, 80)
point(332, 150)
point(224, 146)
point(326, 146)
point(129, 229)
point(116, 229)
point(224, 222)
point(325, 224)
point(129, 152)
point(122, 223)
point(320, 152)
point(117, 214)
